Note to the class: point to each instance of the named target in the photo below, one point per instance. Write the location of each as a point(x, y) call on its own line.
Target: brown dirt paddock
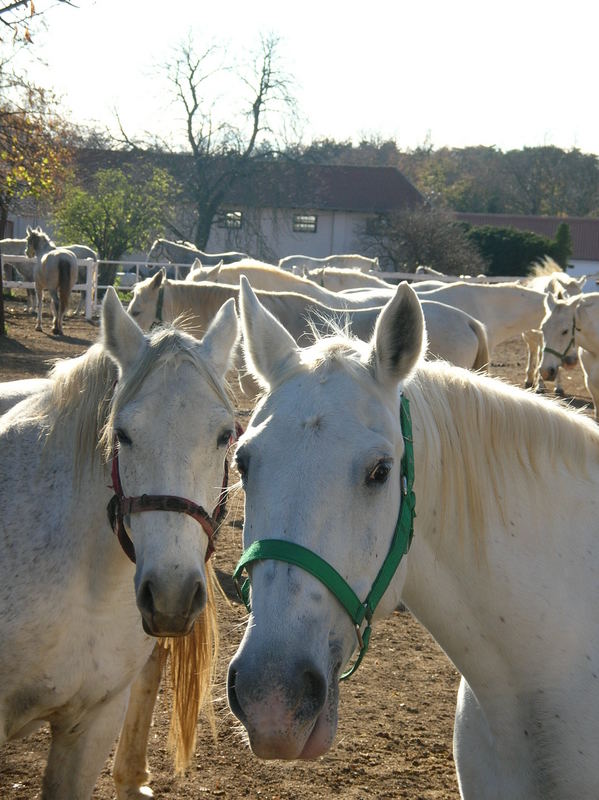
point(396, 713)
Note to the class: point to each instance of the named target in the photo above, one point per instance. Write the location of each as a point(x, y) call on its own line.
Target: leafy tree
point(411, 237)
point(119, 212)
point(35, 150)
point(562, 250)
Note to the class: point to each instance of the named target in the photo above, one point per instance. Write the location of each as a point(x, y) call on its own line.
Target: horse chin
point(322, 736)
point(159, 626)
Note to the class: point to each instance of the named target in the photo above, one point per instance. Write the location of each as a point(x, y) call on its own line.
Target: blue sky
point(457, 73)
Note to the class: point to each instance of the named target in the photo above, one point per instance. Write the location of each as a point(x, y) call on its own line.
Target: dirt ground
point(396, 713)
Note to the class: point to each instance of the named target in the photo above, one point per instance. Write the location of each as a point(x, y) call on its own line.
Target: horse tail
point(483, 358)
point(65, 282)
point(192, 672)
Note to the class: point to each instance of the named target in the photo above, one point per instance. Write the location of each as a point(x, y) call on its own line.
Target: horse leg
point(130, 772)
point(534, 342)
point(39, 295)
point(559, 389)
point(56, 313)
point(78, 751)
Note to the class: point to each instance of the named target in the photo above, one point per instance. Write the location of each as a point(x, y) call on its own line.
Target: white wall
point(336, 232)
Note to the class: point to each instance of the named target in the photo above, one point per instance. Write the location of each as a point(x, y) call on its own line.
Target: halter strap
point(120, 505)
point(562, 356)
point(160, 302)
point(292, 553)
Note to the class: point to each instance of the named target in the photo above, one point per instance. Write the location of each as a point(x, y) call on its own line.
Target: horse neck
point(45, 244)
point(587, 333)
point(503, 564)
point(202, 300)
point(175, 251)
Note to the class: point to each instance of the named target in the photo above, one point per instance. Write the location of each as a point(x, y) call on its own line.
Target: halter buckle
point(359, 635)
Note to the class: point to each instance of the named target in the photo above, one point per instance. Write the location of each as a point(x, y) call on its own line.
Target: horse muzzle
point(291, 716)
point(168, 613)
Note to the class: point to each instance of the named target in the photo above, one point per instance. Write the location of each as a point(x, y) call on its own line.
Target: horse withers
point(145, 420)
point(509, 592)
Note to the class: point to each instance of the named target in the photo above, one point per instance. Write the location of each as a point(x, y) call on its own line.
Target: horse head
point(171, 424)
point(145, 303)
point(320, 463)
point(559, 335)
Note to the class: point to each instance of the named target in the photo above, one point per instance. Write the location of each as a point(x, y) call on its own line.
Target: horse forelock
point(86, 393)
point(168, 347)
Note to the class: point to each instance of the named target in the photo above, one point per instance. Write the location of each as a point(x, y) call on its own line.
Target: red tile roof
point(584, 230)
point(280, 183)
point(321, 187)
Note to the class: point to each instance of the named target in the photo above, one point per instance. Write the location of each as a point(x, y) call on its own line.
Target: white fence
point(138, 269)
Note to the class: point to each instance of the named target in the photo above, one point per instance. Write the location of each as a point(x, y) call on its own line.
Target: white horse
point(547, 277)
point(12, 392)
point(56, 271)
point(452, 335)
point(186, 253)
point(20, 272)
point(508, 596)
point(70, 598)
point(81, 251)
point(506, 309)
point(343, 261)
point(571, 330)
point(337, 280)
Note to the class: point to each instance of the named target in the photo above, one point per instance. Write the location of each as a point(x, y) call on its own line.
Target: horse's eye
point(134, 313)
point(122, 437)
point(565, 332)
point(379, 473)
point(224, 438)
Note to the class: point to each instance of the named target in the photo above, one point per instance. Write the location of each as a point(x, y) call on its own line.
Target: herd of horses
point(407, 475)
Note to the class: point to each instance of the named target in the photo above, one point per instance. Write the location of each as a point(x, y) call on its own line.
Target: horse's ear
point(28, 230)
point(122, 337)
point(550, 302)
point(158, 278)
point(399, 339)
point(267, 345)
point(210, 273)
point(220, 338)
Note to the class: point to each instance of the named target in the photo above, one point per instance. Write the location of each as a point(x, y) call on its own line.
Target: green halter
point(291, 553)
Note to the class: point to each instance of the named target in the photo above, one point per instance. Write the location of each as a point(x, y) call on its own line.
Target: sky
point(444, 72)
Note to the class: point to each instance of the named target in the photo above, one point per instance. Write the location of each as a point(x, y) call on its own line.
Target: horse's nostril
point(145, 598)
point(314, 691)
point(234, 703)
point(198, 600)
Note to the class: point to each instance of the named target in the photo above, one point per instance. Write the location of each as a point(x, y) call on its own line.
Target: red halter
point(120, 505)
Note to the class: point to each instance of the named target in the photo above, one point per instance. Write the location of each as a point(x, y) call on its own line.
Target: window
point(230, 219)
point(304, 223)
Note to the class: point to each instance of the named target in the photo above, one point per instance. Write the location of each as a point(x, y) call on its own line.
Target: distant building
point(277, 207)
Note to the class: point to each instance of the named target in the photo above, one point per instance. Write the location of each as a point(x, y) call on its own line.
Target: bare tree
point(411, 237)
point(224, 134)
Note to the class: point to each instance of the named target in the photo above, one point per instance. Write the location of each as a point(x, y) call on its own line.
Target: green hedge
point(509, 251)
